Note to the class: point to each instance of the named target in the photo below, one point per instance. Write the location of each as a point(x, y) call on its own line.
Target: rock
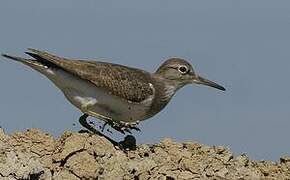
point(37, 155)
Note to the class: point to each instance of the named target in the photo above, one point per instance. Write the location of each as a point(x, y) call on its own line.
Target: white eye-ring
point(183, 69)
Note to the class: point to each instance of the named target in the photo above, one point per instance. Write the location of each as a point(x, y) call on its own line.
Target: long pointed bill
point(201, 80)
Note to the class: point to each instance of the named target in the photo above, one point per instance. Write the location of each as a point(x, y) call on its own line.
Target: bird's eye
point(183, 69)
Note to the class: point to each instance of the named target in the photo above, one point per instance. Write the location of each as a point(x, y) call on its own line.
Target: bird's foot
point(115, 126)
point(129, 141)
point(131, 126)
point(123, 127)
point(119, 126)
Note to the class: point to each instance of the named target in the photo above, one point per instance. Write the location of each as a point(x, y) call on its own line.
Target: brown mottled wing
point(128, 83)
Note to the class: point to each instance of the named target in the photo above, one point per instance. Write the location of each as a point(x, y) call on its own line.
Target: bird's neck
point(164, 91)
point(169, 91)
point(167, 87)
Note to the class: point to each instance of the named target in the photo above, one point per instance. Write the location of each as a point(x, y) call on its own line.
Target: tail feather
point(15, 58)
point(35, 56)
point(41, 60)
point(29, 62)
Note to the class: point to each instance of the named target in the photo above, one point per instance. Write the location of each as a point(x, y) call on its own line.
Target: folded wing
point(128, 83)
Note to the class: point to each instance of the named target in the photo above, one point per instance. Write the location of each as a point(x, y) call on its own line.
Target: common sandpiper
point(121, 96)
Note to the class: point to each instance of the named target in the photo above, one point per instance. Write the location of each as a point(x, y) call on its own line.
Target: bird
point(119, 95)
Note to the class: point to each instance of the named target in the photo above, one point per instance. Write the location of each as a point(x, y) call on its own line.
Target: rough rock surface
point(37, 155)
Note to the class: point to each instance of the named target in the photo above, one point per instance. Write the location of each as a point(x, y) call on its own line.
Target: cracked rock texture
point(37, 155)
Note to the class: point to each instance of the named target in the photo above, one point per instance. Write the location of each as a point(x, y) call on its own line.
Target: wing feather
point(128, 83)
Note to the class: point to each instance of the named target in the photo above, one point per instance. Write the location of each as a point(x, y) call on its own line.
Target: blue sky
point(243, 45)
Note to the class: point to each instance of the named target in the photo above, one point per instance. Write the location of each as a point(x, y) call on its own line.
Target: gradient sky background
point(243, 45)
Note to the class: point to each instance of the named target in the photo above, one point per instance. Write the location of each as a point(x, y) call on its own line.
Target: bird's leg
point(134, 126)
point(117, 127)
point(103, 127)
point(121, 127)
point(108, 121)
point(124, 126)
point(85, 108)
point(85, 124)
point(130, 126)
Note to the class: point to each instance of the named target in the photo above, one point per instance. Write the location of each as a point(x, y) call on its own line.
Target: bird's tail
point(29, 62)
point(15, 58)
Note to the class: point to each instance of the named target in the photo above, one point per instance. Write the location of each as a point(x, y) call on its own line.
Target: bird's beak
point(200, 80)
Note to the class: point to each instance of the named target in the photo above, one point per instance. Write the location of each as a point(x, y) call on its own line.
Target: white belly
point(82, 93)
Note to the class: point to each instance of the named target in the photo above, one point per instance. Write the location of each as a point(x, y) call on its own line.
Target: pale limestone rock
point(37, 155)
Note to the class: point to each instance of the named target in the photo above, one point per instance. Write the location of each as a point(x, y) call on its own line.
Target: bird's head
point(179, 72)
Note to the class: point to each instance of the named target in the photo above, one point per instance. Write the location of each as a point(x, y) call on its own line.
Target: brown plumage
point(117, 79)
point(120, 95)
